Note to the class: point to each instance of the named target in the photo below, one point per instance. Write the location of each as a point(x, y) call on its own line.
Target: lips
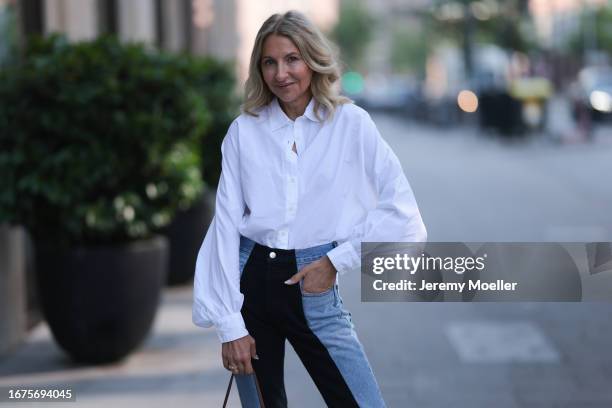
point(285, 85)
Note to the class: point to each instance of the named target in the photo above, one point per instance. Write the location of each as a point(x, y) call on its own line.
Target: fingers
point(248, 367)
point(323, 263)
point(230, 364)
point(254, 351)
point(237, 355)
point(233, 367)
point(239, 368)
point(296, 278)
point(320, 279)
point(236, 366)
point(225, 357)
point(242, 365)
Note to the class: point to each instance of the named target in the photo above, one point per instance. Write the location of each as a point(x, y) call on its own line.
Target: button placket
point(297, 136)
point(291, 190)
point(292, 196)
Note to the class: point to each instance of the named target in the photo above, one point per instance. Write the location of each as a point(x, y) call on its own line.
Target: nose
point(281, 73)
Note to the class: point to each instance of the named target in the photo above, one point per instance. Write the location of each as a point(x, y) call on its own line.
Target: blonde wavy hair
point(318, 53)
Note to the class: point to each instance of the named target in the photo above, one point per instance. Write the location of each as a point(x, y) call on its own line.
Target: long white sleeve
point(216, 293)
point(396, 217)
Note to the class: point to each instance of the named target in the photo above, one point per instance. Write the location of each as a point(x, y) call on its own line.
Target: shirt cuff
point(344, 258)
point(231, 327)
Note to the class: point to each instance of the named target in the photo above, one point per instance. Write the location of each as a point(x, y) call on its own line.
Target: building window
point(31, 16)
point(107, 16)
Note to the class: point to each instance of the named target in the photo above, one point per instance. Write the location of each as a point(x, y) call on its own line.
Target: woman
point(306, 177)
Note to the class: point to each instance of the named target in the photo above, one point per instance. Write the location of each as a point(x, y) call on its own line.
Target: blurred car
point(533, 94)
point(511, 107)
point(592, 93)
point(389, 94)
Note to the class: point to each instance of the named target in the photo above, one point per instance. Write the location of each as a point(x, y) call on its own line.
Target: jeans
point(316, 324)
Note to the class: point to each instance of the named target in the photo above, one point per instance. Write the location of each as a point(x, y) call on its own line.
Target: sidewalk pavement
point(530, 355)
point(178, 365)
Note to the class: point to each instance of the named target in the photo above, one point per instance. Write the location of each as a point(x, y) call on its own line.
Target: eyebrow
point(286, 55)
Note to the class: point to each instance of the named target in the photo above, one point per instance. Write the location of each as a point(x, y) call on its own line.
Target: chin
point(287, 98)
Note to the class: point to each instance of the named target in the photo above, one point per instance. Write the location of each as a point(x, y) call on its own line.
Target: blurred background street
point(498, 111)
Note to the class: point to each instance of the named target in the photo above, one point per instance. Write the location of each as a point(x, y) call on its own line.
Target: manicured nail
point(288, 282)
point(256, 357)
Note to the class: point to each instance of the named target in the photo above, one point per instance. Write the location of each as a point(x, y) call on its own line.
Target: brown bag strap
point(229, 388)
point(259, 394)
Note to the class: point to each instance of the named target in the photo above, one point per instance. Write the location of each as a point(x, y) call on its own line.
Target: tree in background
point(353, 32)
point(594, 34)
point(409, 49)
point(504, 23)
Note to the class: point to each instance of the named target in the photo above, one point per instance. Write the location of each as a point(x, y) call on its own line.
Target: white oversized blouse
point(344, 184)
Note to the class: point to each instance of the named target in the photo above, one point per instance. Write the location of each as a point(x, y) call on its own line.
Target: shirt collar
point(279, 118)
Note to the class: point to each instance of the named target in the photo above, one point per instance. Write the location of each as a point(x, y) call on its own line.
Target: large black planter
point(100, 302)
point(186, 233)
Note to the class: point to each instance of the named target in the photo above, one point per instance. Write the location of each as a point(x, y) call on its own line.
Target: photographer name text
point(408, 285)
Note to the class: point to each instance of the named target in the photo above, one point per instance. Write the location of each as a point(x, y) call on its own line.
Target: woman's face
point(284, 70)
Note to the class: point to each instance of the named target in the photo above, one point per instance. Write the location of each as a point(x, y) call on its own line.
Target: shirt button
point(272, 254)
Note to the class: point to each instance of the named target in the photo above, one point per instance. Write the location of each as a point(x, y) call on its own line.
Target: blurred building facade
point(557, 20)
point(390, 14)
point(225, 29)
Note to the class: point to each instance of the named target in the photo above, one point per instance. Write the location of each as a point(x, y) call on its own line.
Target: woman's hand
point(319, 276)
point(237, 355)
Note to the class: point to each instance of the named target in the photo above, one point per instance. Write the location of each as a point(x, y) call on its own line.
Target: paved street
point(470, 187)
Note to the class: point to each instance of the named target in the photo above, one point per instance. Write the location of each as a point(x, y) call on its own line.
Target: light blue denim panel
point(246, 247)
point(332, 324)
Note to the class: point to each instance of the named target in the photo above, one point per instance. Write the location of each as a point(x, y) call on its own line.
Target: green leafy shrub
point(99, 141)
point(215, 81)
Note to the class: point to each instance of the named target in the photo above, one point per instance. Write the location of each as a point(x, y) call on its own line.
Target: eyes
point(290, 59)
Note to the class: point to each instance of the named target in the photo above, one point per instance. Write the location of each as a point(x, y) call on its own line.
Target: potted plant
point(214, 80)
point(97, 152)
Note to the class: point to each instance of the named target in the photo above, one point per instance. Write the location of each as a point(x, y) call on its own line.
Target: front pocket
point(304, 293)
point(322, 309)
